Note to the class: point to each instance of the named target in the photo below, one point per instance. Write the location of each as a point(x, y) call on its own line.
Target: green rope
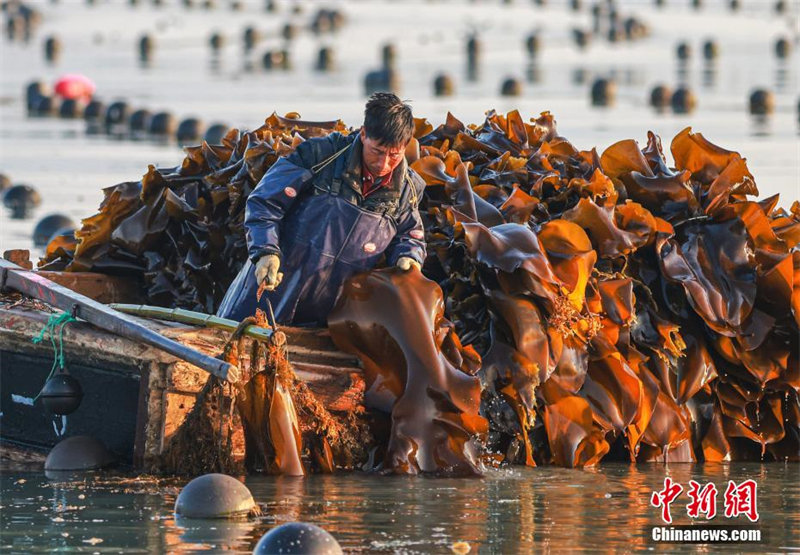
point(55, 327)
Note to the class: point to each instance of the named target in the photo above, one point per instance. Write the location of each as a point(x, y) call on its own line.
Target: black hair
point(388, 120)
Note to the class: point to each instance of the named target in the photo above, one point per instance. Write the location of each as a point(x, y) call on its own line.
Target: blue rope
point(55, 326)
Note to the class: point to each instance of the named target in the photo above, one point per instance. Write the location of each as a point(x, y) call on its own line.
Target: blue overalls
point(309, 210)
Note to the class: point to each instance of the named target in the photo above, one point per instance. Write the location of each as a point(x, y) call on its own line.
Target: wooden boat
point(135, 396)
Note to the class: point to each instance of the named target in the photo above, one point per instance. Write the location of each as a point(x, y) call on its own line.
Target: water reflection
point(517, 510)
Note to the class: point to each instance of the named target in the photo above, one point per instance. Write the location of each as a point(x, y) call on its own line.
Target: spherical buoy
point(762, 102)
point(325, 59)
point(216, 41)
point(683, 51)
point(116, 114)
point(276, 59)
point(45, 229)
point(46, 106)
point(388, 55)
point(190, 130)
point(163, 124)
point(683, 101)
point(78, 453)
point(660, 97)
point(511, 87)
point(780, 7)
point(21, 200)
point(147, 45)
point(52, 49)
point(5, 182)
point(289, 32)
point(34, 91)
point(215, 133)
point(604, 92)
point(251, 38)
point(532, 44)
point(710, 50)
point(735, 5)
point(298, 537)
point(61, 394)
point(473, 51)
point(94, 111)
point(71, 108)
point(783, 48)
point(443, 85)
point(581, 37)
point(139, 121)
point(381, 80)
point(697, 4)
point(214, 496)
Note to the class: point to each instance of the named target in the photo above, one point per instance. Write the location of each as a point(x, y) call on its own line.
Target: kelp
point(575, 307)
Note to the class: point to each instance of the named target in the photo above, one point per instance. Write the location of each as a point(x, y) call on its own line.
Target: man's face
point(380, 159)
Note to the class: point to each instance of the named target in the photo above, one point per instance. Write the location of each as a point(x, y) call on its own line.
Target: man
point(327, 211)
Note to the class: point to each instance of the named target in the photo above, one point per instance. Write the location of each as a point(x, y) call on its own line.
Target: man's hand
point(267, 271)
point(405, 263)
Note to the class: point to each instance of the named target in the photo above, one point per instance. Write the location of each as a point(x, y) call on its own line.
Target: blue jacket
point(308, 209)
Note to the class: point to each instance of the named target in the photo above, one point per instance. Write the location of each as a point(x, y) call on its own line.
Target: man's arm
point(409, 241)
point(272, 198)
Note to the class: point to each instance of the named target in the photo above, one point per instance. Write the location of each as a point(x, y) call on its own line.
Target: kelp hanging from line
point(623, 308)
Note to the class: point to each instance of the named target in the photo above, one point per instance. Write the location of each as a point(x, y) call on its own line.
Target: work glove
point(405, 263)
point(267, 271)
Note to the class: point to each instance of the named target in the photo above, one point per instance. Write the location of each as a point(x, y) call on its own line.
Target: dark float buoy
point(52, 49)
point(46, 106)
point(61, 394)
point(511, 87)
point(780, 7)
point(381, 80)
point(581, 37)
point(44, 230)
point(289, 32)
point(163, 124)
point(298, 537)
point(117, 115)
point(532, 44)
point(683, 51)
point(147, 45)
point(325, 59)
point(660, 97)
point(5, 182)
point(216, 42)
point(215, 133)
point(388, 55)
point(251, 38)
point(21, 200)
point(71, 108)
point(34, 91)
point(139, 121)
point(78, 453)
point(683, 101)
point(710, 50)
point(697, 4)
point(214, 496)
point(762, 102)
point(604, 92)
point(276, 59)
point(443, 85)
point(94, 111)
point(783, 48)
point(190, 130)
point(735, 5)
